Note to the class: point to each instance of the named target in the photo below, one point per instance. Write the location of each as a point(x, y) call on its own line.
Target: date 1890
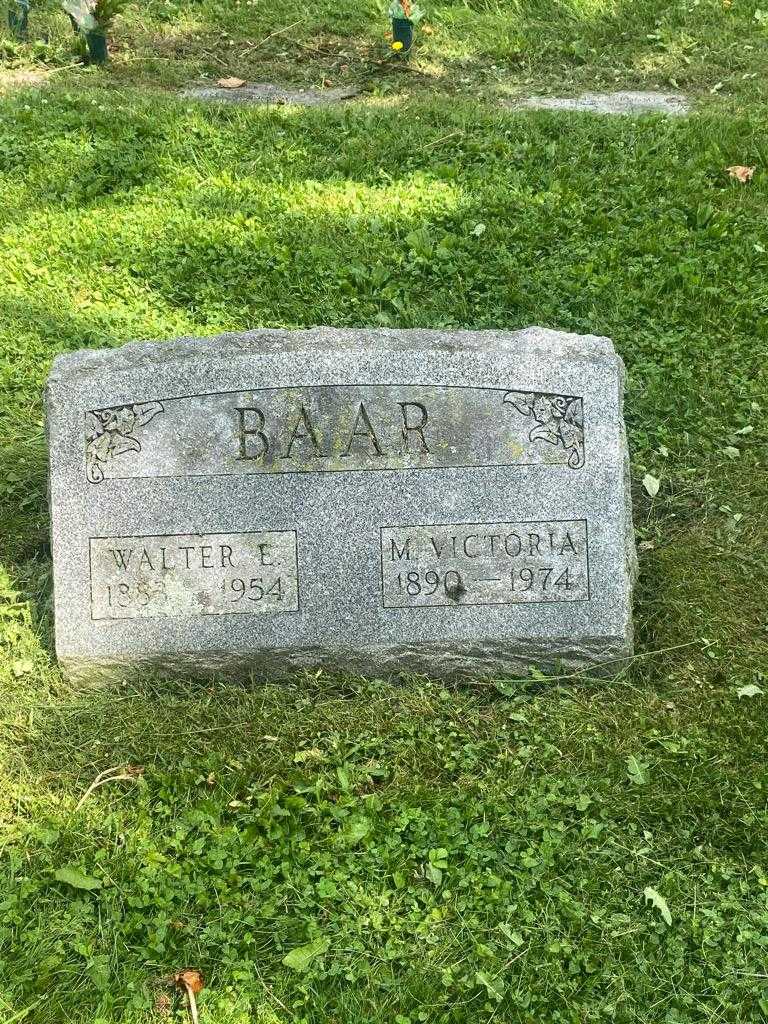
point(194, 574)
point(484, 563)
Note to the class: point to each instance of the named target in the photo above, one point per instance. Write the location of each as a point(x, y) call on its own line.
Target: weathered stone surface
point(265, 93)
point(23, 78)
point(610, 103)
point(454, 503)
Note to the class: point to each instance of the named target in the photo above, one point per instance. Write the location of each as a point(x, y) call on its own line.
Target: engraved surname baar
point(486, 563)
point(188, 574)
point(334, 428)
point(355, 433)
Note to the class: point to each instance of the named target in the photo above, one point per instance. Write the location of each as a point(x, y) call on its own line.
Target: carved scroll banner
point(455, 503)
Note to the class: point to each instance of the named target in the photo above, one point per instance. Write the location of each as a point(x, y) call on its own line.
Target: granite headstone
point(374, 501)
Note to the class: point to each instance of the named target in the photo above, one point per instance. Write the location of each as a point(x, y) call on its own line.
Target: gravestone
point(268, 94)
point(374, 501)
point(622, 103)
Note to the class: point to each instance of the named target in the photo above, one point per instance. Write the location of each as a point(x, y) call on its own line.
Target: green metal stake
point(18, 15)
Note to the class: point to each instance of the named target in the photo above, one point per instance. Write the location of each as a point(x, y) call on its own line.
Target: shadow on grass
point(294, 217)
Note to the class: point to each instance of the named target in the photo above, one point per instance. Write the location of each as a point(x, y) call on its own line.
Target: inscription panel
point(180, 575)
point(336, 428)
point(484, 563)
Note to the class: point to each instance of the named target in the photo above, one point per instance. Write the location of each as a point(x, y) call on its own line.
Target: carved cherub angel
point(109, 433)
point(559, 421)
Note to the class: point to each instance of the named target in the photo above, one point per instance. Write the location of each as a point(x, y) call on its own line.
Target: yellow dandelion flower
point(397, 46)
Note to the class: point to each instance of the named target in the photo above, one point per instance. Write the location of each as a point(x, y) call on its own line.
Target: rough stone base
point(456, 662)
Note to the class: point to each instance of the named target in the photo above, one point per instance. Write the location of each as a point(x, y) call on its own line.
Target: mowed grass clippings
point(349, 850)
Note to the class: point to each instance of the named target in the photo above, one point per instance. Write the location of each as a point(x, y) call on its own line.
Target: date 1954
point(255, 589)
point(184, 575)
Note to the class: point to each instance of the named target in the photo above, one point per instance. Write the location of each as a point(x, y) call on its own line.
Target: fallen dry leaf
point(742, 174)
point(231, 83)
point(427, 30)
point(651, 484)
point(190, 979)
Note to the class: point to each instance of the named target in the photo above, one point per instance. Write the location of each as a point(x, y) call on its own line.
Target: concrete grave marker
point(622, 103)
point(454, 503)
point(268, 94)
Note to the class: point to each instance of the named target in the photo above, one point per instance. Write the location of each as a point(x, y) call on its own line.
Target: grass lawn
point(716, 50)
point(475, 855)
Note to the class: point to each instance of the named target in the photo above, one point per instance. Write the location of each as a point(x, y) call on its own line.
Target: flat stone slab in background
point(455, 503)
point(609, 103)
point(264, 93)
point(22, 79)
